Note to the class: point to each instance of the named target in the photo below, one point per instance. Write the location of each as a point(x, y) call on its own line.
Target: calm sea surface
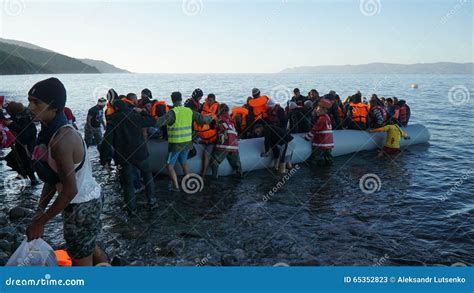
point(422, 214)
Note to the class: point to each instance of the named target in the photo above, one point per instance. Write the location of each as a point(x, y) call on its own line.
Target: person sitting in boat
point(394, 135)
point(124, 134)
point(131, 100)
point(194, 102)
point(145, 98)
point(227, 145)
point(321, 135)
point(276, 114)
point(404, 113)
point(377, 113)
point(313, 96)
point(392, 109)
point(240, 117)
point(357, 113)
point(179, 121)
point(207, 133)
point(277, 140)
point(258, 107)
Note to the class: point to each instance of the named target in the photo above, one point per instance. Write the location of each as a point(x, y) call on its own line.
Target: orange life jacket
point(110, 110)
point(204, 131)
point(359, 112)
point(155, 106)
point(243, 112)
point(259, 106)
point(130, 102)
point(63, 258)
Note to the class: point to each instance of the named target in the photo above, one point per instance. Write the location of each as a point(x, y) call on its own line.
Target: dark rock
point(5, 246)
point(3, 219)
point(8, 232)
point(229, 260)
point(175, 247)
point(19, 213)
point(119, 261)
point(239, 254)
point(21, 229)
point(3, 258)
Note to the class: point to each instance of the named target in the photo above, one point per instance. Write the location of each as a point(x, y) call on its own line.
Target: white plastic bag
point(34, 253)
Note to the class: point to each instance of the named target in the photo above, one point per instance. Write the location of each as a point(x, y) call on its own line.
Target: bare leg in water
point(97, 256)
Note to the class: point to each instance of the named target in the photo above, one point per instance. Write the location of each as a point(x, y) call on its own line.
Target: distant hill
point(11, 64)
point(103, 66)
point(387, 68)
point(19, 57)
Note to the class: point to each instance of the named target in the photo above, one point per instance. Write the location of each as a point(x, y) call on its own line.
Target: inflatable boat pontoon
point(345, 142)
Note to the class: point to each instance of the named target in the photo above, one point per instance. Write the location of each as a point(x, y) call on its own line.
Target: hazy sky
point(244, 36)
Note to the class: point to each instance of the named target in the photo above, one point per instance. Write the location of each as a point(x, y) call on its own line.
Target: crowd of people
point(58, 153)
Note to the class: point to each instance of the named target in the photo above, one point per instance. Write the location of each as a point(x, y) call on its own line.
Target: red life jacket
point(321, 133)
point(228, 140)
point(403, 115)
point(7, 138)
point(273, 114)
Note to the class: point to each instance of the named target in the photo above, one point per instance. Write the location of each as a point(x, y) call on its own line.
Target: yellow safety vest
point(182, 129)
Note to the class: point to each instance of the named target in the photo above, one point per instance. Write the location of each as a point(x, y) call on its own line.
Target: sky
point(201, 36)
